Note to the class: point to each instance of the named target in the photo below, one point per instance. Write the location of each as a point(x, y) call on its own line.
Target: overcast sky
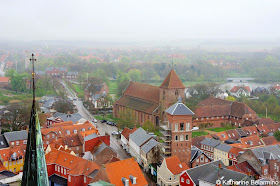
point(138, 19)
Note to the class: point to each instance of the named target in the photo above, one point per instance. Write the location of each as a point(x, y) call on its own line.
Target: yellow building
point(221, 153)
point(12, 158)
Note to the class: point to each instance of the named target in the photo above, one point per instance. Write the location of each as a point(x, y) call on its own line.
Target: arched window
point(181, 138)
point(176, 138)
point(187, 126)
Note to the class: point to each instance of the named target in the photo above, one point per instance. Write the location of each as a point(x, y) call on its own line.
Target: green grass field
point(79, 91)
point(199, 133)
point(113, 87)
point(220, 129)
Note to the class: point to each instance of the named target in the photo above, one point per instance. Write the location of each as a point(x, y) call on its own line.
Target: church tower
point(35, 169)
point(170, 90)
point(178, 132)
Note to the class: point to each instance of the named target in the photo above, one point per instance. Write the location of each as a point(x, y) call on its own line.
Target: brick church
point(141, 102)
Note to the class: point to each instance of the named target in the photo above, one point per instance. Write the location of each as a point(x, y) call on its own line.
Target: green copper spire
point(34, 170)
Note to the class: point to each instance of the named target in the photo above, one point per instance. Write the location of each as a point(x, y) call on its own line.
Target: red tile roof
point(264, 121)
point(126, 131)
point(263, 129)
point(4, 79)
point(244, 168)
point(252, 130)
point(213, 107)
point(66, 123)
point(174, 165)
point(270, 140)
point(124, 168)
point(196, 141)
point(236, 88)
point(2, 167)
point(235, 150)
point(76, 165)
point(251, 141)
point(172, 81)
point(142, 91)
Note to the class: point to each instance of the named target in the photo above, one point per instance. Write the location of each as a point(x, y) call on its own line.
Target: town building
point(142, 102)
point(198, 157)
point(245, 168)
point(208, 145)
point(98, 98)
point(12, 158)
point(232, 155)
point(216, 112)
point(221, 153)
point(125, 137)
point(103, 153)
point(149, 153)
point(208, 174)
point(136, 140)
point(265, 160)
point(16, 138)
point(177, 132)
point(121, 173)
point(239, 91)
point(169, 171)
point(66, 169)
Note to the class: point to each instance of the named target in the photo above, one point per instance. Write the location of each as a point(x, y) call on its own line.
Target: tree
point(135, 75)
point(277, 135)
point(123, 80)
point(16, 116)
point(230, 98)
point(93, 83)
point(64, 106)
point(149, 126)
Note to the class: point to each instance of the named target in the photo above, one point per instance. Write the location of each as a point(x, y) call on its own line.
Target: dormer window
point(68, 132)
point(83, 129)
point(75, 131)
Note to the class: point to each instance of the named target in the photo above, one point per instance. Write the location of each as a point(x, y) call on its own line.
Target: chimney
point(132, 179)
point(125, 181)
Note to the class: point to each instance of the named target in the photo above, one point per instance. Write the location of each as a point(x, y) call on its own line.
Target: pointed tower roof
point(172, 81)
point(179, 108)
point(35, 169)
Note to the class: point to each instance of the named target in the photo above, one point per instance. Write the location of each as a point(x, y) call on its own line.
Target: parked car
point(103, 121)
point(195, 128)
point(115, 133)
point(109, 122)
point(94, 120)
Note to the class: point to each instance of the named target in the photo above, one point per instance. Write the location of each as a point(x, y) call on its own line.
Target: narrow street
point(102, 127)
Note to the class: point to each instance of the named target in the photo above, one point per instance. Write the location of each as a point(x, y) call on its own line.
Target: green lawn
point(113, 87)
point(108, 117)
point(199, 133)
point(9, 96)
point(220, 129)
point(79, 90)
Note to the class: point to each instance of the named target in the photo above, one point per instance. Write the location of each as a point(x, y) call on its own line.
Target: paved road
point(103, 127)
point(114, 142)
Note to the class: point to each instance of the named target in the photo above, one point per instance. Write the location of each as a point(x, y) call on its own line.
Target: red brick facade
point(181, 135)
point(142, 102)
